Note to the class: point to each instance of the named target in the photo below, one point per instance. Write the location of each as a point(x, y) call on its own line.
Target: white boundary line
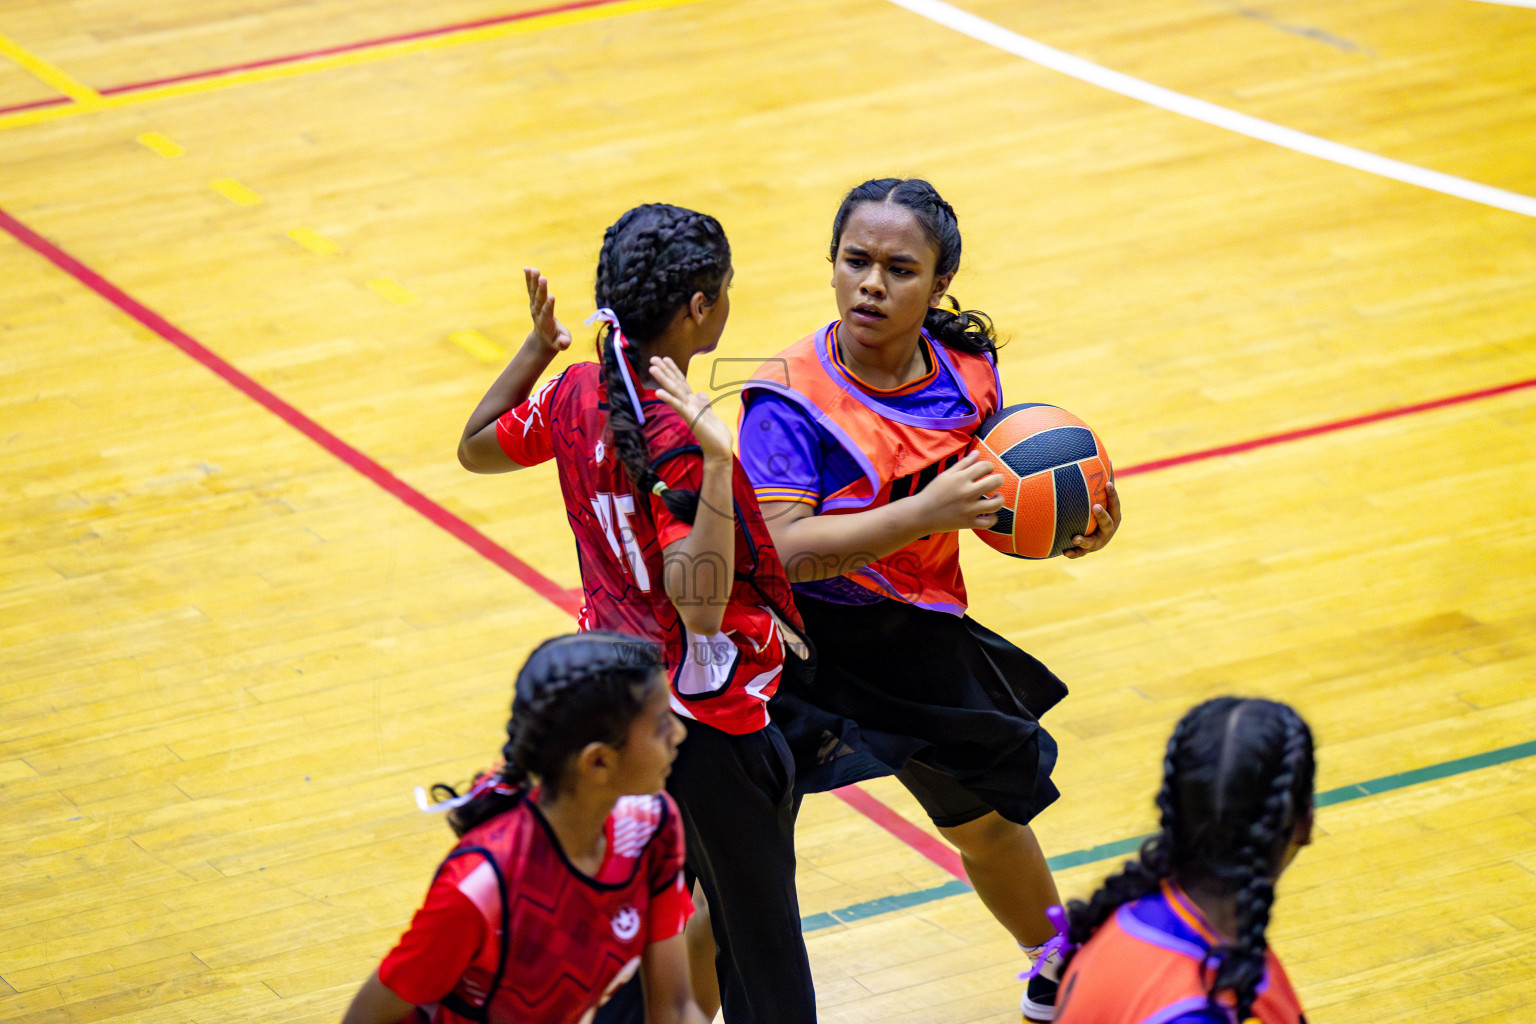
point(1266, 131)
point(1510, 3)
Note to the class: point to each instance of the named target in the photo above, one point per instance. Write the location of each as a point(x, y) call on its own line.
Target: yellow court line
point(479, 346)
point(235, 192)
point(50, 74)
point(161, 144)
point(393, 291)
point(314, 241)
point(385, 51)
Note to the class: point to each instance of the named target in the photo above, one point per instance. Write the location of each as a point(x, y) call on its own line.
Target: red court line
point(936, 850)
point(568, 600)
point(51, 101)
point(331, 51)
point(1324, 428)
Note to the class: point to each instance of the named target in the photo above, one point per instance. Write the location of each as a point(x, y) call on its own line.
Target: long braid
point(1237, 777)
point(1242, 965)
point(654, 259)
point(1140, 877)
point(573, 690)
point(624, 426)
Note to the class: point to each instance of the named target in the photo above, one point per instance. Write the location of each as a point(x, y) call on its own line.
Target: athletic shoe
point(1039, 1002)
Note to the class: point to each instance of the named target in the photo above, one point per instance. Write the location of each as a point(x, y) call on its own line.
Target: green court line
point(1126, 847)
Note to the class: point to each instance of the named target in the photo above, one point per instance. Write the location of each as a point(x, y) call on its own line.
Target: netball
point(1054, 469)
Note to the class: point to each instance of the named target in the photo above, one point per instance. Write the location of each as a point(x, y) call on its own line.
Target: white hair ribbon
point(488, 781)
point(608, 316)
point(445, 805)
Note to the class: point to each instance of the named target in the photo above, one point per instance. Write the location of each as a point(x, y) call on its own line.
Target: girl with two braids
point(1178, 936)
point(673, 548)
point(568, 875)
point(862, 460)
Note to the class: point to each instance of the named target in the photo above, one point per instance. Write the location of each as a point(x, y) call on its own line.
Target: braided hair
point(574, 690)
point(1237, 777)
point(963, 330)
point(654, 259)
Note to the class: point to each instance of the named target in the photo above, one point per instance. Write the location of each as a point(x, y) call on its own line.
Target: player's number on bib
point(613, 512)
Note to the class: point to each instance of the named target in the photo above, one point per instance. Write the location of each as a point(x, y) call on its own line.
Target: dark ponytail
point(574, 690)
point(963, 330)
point(1237, 777)
point(655, 258)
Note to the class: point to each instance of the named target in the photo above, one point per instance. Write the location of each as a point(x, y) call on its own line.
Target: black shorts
point(946, 802)
point(939, 700)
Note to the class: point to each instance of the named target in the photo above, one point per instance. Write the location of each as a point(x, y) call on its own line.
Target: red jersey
point(893, 450)
point(1144, 965)
point(725, 680)
point(511, 926)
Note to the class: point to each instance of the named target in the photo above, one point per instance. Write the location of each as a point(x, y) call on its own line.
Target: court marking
point(161, 145)
point(1128, 847)
point(570, 600)
point(995, 35)
point(51, 101)
point(49, 74)
point(567, 600)
point(340, 56)
point(936, 850)
point(1325, 428)
point(314, 241)
point(1510, 3)
point(235, 192)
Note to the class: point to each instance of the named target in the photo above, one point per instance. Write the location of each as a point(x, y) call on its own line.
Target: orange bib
point(1133, 973)
point(899, 455)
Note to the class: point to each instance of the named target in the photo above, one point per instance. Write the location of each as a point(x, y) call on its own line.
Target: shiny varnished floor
point(249, 603)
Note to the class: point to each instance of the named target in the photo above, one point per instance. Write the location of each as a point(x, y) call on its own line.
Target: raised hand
point(1108, 517)
point(963, 497)
point(547, 331)
point(709, 430)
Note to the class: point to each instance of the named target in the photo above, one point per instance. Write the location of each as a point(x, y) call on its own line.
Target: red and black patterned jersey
point(550, 944)
point(724, 680)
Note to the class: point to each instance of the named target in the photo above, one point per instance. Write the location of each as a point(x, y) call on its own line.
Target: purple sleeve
point(781, 451)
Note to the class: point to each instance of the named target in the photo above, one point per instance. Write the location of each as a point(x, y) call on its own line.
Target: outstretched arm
point(479, 451)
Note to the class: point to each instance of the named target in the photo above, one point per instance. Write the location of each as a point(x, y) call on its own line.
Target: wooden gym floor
point(261, 257)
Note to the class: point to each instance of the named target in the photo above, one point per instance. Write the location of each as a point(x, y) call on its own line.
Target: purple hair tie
point(1057, 944)
point(608, 316)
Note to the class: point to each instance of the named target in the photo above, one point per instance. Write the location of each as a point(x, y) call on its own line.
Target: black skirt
point(893, 682)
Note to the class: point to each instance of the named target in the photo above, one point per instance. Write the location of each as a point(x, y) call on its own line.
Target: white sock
point(1051, 969)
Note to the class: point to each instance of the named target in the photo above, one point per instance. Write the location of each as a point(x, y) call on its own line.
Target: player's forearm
point(700, 568)
point(822, 546)
point(683, 1011)
point(376, 1004)
point(512, 386)
point(664, 976)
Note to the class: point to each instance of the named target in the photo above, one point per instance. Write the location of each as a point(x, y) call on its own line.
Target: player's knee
point(989, 833)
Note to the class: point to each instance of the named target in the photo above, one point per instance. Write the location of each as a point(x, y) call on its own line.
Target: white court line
point(1266, 131)
point(1510, 3)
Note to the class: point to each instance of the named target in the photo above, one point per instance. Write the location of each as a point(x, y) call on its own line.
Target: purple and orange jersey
point(1147, 965)
point(822, 437)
